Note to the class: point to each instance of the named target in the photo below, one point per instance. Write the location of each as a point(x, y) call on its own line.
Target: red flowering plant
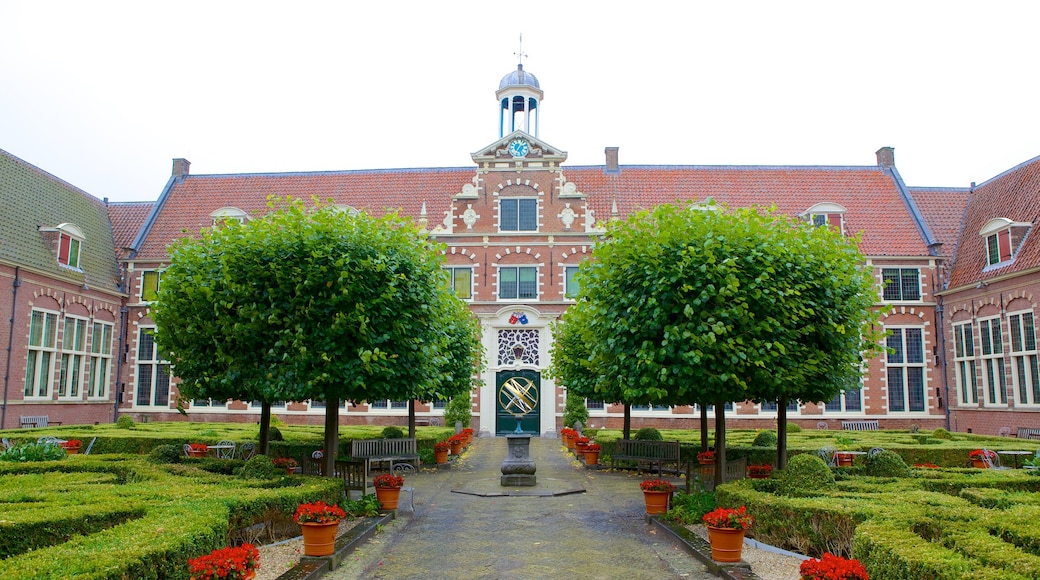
point(441, 446)
point(656, 485)
point(286, 463)
point(580, 440)
point(318, 512)
point(706, 456)
point(980, 453)
point(456, 439)
point(832, 567)
point(593, 447)
point(238, 563)
point(388, 480)
point(735, 519)
point(72, 443)
point(467, 431)
point(764, 469)
point(198, 447)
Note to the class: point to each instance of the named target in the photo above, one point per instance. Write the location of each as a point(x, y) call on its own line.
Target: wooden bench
point(37, 422)
point(1028, 433)
point(653, 452)
point(380, 450)
point(859, 425)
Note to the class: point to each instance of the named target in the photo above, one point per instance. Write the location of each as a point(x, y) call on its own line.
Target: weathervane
point(520, 55)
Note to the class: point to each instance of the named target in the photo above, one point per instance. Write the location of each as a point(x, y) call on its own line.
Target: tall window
point(74, 356)
point(998, 247)
point(570, 285)
point(150, 280)
point(964, 364)
point(848, 401)
point(1026, 373)
point(994, 379)
point(68, 250)
point(153, 373)
point(518, 215)
point(901, 284)
point(39, 364)
point(462, 282)
point(905, 365)
point(517, 283)
point(100, 361)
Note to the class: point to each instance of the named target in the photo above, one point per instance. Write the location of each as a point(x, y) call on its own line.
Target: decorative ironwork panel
point(522, 341)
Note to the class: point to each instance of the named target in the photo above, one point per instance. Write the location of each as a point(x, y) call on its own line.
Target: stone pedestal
point(518, 468)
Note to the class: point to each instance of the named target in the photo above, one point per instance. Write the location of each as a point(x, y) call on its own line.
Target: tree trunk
point(720, 442)
point(411, 419)
point(331, 435)
point(265, 428)
point(627, 427)
point(704, 427)
point(781, 433)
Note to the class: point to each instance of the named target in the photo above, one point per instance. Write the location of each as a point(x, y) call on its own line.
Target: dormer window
point(226, 214)
point(67, 240)
point(826, 214)
point(1003, 238)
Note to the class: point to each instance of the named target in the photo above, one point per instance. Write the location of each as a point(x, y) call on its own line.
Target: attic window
point(826, 214)
point(1003, 238)
point(225, 214)
point(68, 241)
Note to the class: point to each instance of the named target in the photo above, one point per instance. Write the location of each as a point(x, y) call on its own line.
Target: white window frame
point(1025, 370)
point(899, 273)
point(159, 371)
point(966, 368)
point(519, 201)
point(997, 231)
point(100, 369)
point(770, 408)
point(158, 283)
point(568, 280)
point(994, 371)
point(906, 368)
point(452, 271)
point(388, 406)
point(843, 402)
point(517, 269)
point(72, 371)
point(226, 214)
point(42, 353)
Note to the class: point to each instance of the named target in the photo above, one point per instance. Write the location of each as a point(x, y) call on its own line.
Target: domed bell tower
point(518, 97)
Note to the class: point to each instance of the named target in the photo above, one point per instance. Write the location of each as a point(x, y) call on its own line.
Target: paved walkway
point(601, 533)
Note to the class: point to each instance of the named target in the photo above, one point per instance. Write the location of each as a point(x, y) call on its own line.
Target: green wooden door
point(517, 396)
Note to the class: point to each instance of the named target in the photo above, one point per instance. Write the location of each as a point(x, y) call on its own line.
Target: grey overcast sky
point(104, 94)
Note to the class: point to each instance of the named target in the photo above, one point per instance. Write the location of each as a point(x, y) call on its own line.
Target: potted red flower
point(982, 458)
point(579, 444)
point(568, 435)
point(440, 452)
point(832, 567)
point(72, 446)
point(706, 457)
point(388, 489)
point(726, 528)
point(759, 471)
point(289, 464)
point(592, 453)
point(197, 449)
point(455, 442)
point(237, 563)
point(319, 522)
point(467, 434)
point(655, 495)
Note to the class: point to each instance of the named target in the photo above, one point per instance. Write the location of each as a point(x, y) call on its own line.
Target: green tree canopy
point(313, 304)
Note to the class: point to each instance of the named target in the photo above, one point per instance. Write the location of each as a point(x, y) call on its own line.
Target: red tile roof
point(869, 194)
point(127, 219)
point(1014, 194)
point(943, 210)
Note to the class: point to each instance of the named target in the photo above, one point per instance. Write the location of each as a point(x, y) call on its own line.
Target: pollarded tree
point(311, 304)
point(698, 305)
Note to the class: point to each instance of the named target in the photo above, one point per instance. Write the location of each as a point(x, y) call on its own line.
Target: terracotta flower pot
point(319, 539)
point(569, 442)
point(441, 457)
point(726, 544)
point(656, 501)
point(194, 453)
point(591, 457)
point(978, 463)
point(73, 450)
point(843, 459)
point(456, 448)
point(388, 497)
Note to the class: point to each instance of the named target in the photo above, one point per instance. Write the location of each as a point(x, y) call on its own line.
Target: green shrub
point(273, 434)
point(794, 428)
point(689, 508)
point(648, 434)
point(458, 410)
point(166, 454)
point(364, 507)
point(575, 411)
point(887, 464)
point(765, 439)
point(941, 433)
point(393, 432)
point(125, 422)
point(29, 452)
point(260, 467)
point(805, 475)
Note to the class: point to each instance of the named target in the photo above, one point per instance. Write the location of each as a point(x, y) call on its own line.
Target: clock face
point(518, 148)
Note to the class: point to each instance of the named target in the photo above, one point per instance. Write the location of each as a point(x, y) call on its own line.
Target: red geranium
point(980, 453)
point(236, 563)
point(388, 480)
point(198, 447)
point(764, 469)
point(706, 456)
point(736, 519)
point(318, 512)
point(656, 485)
point(832, 567)
point(441, 446)
point(593, 447)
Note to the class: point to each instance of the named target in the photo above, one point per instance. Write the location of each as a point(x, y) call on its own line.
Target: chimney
point(180, 167)
point(886, 157)
point(612, 158)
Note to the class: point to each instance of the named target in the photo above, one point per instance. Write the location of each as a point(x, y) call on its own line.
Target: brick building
point(518, 221)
